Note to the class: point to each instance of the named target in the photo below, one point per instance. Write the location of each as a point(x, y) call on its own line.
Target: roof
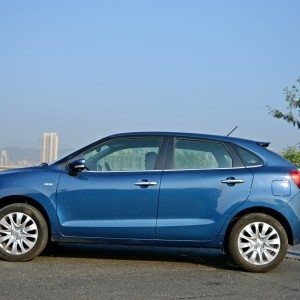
point(182, 134)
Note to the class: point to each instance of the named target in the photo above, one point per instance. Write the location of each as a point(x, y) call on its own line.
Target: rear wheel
point(23, 232)
point(257, 242)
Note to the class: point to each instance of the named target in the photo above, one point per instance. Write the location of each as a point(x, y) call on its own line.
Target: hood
point(23, 170)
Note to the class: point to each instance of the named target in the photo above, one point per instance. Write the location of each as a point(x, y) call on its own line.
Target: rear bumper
point(291, 211)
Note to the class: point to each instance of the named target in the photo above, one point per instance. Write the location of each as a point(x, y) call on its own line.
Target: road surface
point(116, 272)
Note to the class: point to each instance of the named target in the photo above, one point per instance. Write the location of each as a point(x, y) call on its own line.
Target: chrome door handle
point(145, 183)
point(232, 181)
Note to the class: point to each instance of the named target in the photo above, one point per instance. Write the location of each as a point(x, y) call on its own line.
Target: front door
point(117, 197)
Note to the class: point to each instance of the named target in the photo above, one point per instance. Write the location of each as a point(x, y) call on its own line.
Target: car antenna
point(232, 130)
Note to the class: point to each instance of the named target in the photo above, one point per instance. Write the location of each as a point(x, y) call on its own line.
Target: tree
point(292, 154)
point(292, 98)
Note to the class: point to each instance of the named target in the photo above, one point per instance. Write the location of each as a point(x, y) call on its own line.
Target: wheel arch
point(266, 210)
point(28, 200)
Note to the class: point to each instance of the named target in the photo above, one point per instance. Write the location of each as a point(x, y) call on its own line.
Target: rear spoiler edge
point(263, 144)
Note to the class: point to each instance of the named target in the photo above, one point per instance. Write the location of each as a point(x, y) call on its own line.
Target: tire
point(23, 232)
point(257, 242)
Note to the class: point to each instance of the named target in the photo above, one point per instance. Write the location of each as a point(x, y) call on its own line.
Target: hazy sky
point(85, 69)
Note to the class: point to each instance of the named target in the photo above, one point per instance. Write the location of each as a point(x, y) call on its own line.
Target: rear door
point(204, 182)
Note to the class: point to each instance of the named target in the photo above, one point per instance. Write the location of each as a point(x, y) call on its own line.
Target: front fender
point(46, 200)
point(38, 184)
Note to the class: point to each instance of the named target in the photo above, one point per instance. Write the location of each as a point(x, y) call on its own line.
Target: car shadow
point(205, 257)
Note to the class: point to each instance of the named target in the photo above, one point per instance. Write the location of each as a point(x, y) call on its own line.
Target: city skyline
point(7, 162)
point(48, 152)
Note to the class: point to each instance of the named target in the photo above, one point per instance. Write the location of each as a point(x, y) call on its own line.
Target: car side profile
point(157, 188)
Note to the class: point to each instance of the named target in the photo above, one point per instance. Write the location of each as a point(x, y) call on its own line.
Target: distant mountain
point(17, 153)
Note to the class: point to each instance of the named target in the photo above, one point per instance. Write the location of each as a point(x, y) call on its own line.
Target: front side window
point(133, 154)
point(194, 154)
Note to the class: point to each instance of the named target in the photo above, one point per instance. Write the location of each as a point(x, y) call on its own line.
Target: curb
point(293, 255)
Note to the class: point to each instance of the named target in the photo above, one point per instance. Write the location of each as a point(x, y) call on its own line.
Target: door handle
point(232, 181)
point(143, 183)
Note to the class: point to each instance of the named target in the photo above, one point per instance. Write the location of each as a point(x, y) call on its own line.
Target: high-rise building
point(49, 147)
point(4, 159)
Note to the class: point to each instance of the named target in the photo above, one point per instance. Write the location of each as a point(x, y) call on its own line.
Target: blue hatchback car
point(157, 188)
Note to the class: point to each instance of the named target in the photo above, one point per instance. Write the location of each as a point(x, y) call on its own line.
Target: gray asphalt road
point(93, 271)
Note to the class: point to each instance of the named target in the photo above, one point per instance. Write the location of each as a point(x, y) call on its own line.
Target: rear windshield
point(249, 159)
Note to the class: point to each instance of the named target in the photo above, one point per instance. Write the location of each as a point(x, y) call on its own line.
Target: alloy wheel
point(18, 233)
point(259, 243)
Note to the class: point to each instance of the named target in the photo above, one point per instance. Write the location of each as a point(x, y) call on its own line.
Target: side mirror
point(76, 166)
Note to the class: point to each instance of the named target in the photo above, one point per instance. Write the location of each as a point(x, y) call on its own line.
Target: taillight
point(295, 174)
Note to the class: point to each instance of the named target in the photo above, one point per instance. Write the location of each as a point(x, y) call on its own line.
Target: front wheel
point(257, 242)
point(23, 232)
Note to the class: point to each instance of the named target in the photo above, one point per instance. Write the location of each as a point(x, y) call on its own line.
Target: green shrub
point(292, 154)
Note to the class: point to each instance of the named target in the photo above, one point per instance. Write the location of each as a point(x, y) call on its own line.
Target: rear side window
point(194, 154)
point(249, 159)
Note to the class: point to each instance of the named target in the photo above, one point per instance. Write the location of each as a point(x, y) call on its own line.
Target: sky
point(87, 69)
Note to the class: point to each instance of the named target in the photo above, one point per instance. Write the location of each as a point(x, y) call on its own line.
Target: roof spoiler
point(263, 144)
